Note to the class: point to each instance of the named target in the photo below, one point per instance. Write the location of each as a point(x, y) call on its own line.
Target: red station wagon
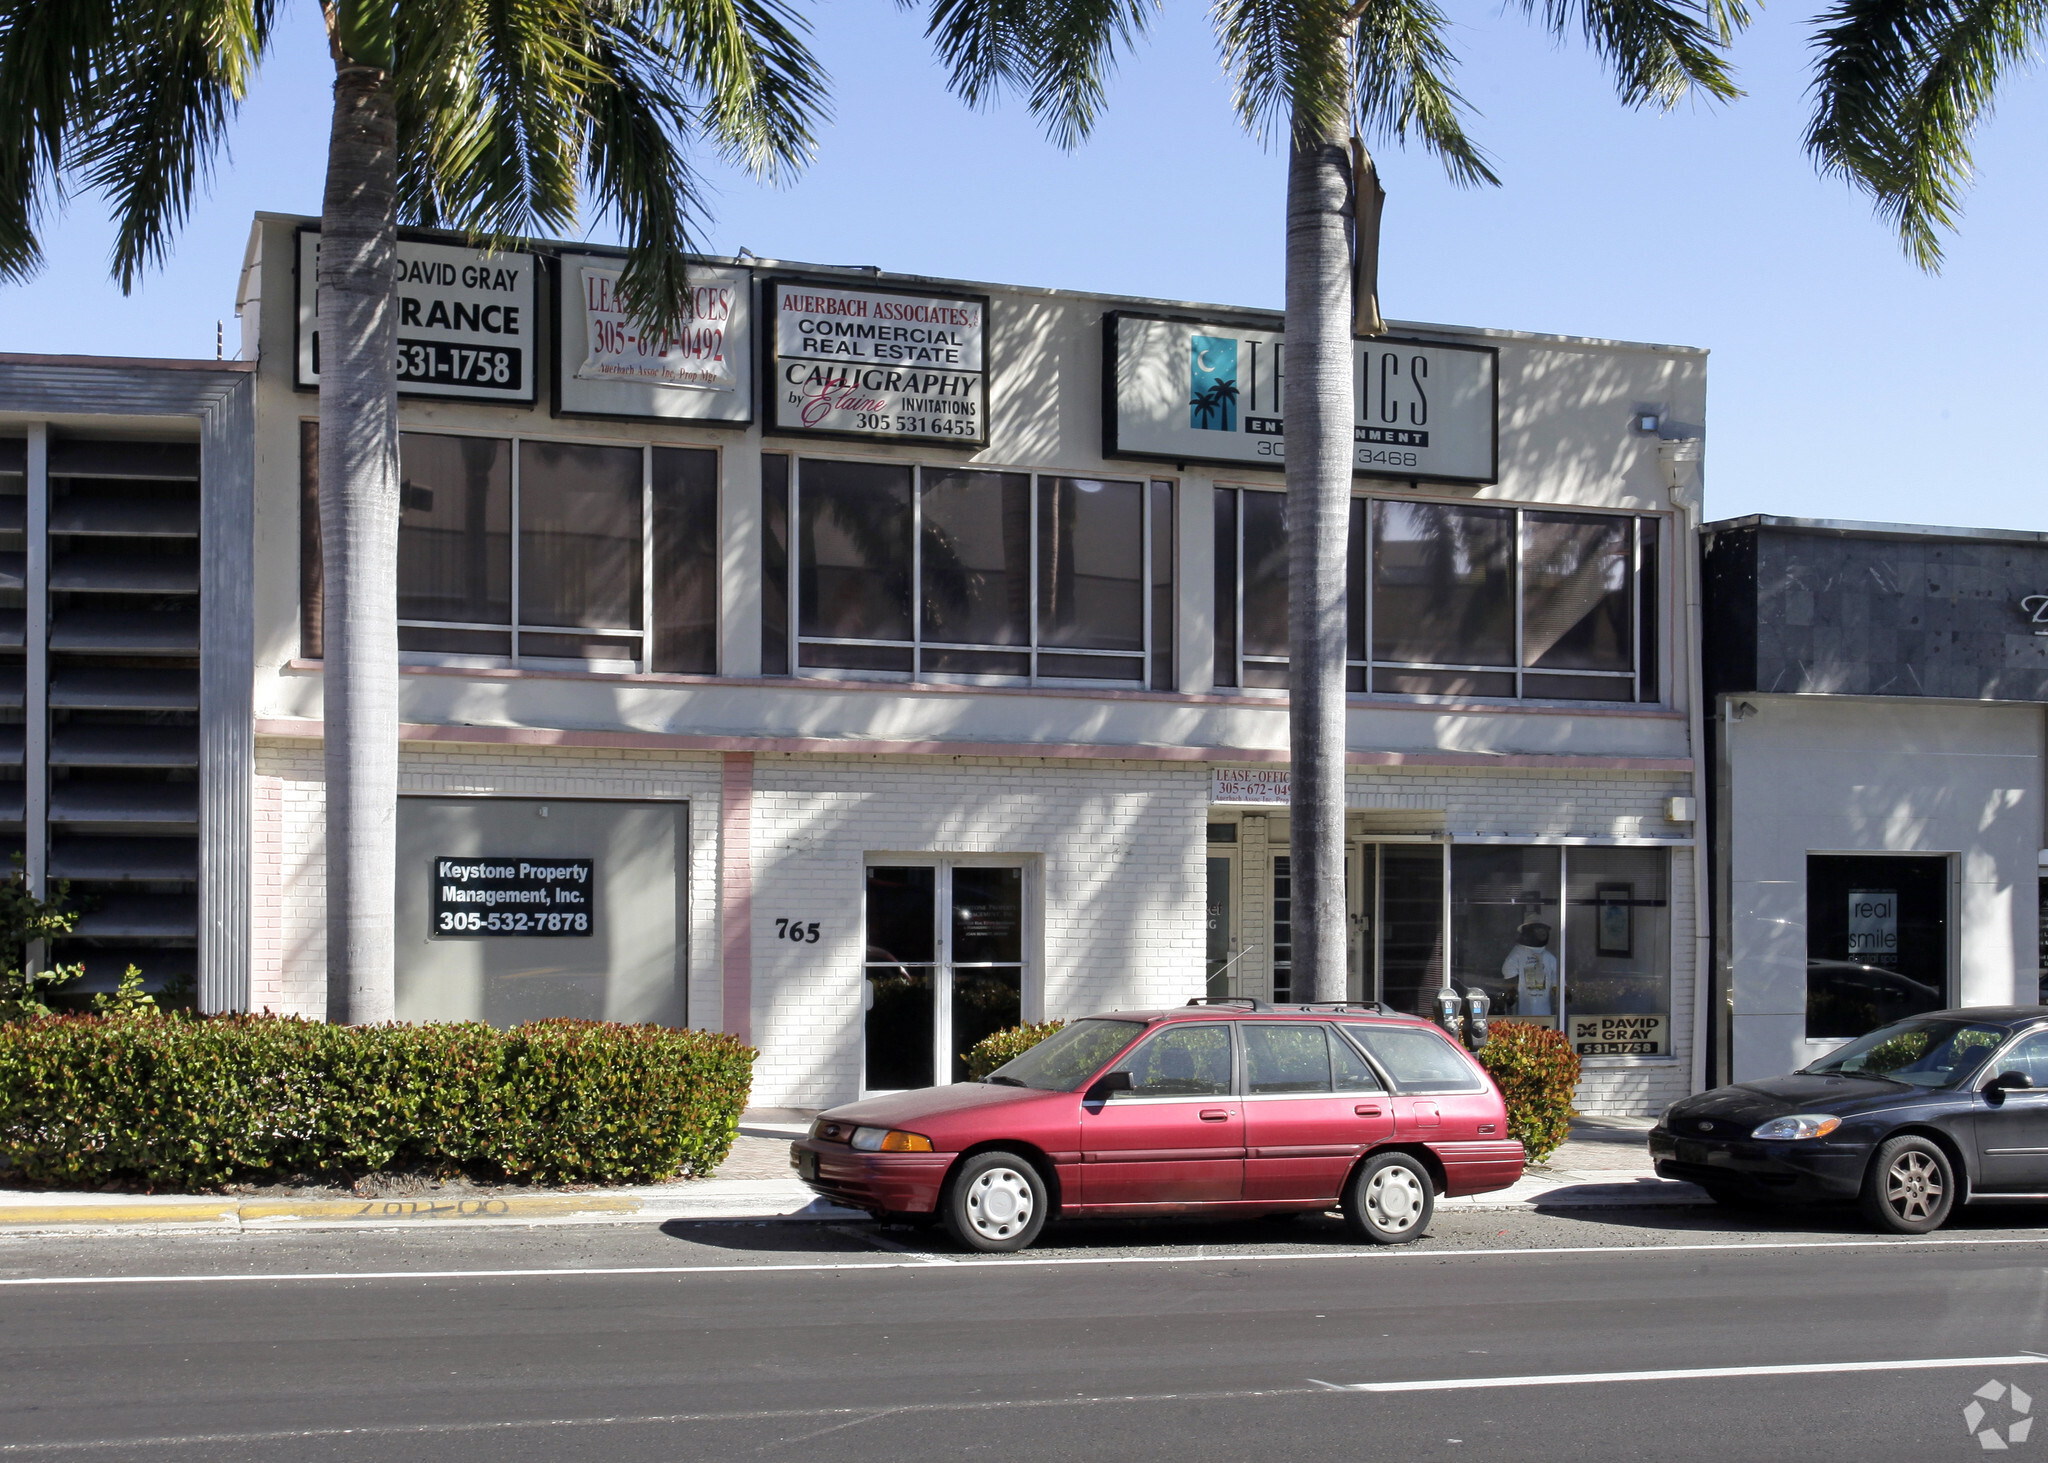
point(1222, 1109)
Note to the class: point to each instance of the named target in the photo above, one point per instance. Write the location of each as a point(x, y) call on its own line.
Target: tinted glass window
point(2029, 1056)
point(1285, 1058)
point(1443, 584)
point(1876, 941)
point(1067, 1058)
point(1091, 566)
point(853, 552)
point(1352, 1072)
point(455, 529)
point(1419, 1060)
point(685, 561)
point(579, 535)
point(1265, 573)
point(977, 558)
point(1182, 1061)
point(1575, 594)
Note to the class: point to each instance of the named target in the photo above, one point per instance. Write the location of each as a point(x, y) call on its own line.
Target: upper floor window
point(1453, 599)
point(963, 574)
point(544, 552)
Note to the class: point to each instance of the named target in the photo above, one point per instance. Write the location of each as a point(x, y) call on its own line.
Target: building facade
point(1875, 694)
point(893, 659)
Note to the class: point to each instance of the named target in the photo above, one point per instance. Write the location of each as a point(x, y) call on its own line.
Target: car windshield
point(1067, 1058)
point(1926, 1053)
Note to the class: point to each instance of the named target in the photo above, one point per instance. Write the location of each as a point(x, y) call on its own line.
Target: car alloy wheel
point(1390, 1200)
point(996, 1202)
point(1911, 1187)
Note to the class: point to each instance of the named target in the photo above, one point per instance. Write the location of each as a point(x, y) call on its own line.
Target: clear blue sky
point(1844, 383)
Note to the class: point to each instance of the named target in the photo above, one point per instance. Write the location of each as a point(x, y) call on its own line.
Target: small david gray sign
point(491, 895)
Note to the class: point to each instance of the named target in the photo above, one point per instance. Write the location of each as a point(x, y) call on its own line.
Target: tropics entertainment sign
point(465, 321)
point(858, 362)
point(606, 366)
point(1186, 391)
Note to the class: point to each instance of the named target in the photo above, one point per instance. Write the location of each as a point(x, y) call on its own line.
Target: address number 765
point(796, 931)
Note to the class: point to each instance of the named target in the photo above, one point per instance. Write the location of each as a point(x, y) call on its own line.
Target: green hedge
point(999, 1047)
point(179, 1102)
point(1538, 1072)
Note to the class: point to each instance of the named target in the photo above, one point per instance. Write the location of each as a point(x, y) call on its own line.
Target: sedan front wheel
point(1911, 1188)
point(996, 1203)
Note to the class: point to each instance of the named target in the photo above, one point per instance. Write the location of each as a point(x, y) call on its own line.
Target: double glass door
point(945, 967)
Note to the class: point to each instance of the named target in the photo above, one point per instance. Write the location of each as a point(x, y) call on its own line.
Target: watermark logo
point(1985, 1414)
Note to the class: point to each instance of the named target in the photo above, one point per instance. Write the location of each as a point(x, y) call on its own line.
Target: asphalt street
point(1499, 1337)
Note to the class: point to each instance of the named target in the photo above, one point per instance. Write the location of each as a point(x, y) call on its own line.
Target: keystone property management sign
point(506, 895)
point(465, 321)
point(850, 361)
point(1187, 391)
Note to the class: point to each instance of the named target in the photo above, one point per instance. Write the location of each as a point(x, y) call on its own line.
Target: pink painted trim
point(1077, 693)
point(736, 892)
point(532, 736)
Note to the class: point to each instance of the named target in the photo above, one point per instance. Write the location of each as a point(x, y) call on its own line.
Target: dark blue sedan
point(1910, 1121)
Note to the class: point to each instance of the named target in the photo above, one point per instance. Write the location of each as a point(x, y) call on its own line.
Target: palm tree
point(1323, 75)
point(1900, 88)
point(489, 119)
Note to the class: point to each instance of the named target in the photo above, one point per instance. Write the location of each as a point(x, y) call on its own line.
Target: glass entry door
point(1394, 907)
point(945, 967)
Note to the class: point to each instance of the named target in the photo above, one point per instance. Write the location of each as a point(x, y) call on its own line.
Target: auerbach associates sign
point(848, 361)
point(1189, 391)
point(477, 895)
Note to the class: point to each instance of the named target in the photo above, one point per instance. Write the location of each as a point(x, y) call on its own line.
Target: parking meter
point(1476, 1007)
point(1447, 1005)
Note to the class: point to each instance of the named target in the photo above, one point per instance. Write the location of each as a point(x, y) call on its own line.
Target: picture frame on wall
point(1614, 920)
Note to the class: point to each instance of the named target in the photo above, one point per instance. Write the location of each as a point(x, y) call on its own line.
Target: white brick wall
point(1115, 853)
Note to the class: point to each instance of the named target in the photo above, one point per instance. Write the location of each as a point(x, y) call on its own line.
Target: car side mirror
point(2009, 1081)
point(1106, 1084)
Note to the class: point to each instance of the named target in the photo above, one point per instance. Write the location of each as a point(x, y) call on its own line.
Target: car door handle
point(1367, 1110)
point(1214, 1114)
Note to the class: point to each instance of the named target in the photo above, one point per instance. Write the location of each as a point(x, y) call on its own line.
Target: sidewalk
point(1603, 1166)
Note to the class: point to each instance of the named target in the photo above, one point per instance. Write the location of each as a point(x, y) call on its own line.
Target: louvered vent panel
point(124, 703)
point(13, 671)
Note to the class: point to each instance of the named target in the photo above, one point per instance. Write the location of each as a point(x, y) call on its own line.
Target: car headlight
point(890, 1140)
point(1798, 1125)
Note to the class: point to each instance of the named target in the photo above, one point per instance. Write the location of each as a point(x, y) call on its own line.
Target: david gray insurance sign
point(1188, 391)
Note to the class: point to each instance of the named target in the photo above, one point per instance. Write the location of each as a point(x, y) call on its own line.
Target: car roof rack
point(1373, 1006)
point(1252, 1003)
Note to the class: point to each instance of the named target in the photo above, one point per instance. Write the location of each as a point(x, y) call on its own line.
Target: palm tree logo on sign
point(1212, 383)
point(1981, 1422)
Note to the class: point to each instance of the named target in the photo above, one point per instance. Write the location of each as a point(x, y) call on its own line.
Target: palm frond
point(1286, 61)
point(1900, 89)
point(156, 121)
point(1060, 53)
point(1660, 51)
point(49, 53)
point(1404, 64)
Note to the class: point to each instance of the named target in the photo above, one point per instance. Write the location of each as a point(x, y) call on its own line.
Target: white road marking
point(971, 1263)
point(1691, 1374)
point(847, 1415)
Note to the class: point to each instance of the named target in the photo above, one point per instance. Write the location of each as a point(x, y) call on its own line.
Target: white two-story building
point(890, 660)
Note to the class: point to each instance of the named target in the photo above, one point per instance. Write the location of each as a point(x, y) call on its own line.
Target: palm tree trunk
point(1319, 463)
point(359, 540)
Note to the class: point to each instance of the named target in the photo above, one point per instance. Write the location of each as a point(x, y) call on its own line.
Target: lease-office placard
point(606, 365)
point(478, 895)
point(848, 361)
point(1193, 392)
point(465, 321)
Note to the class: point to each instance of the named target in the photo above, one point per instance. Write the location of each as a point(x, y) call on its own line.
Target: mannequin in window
point(1531, 971)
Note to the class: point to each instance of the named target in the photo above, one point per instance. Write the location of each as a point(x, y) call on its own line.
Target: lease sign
point(465, 320)
point(878, 363)
point(620, 349)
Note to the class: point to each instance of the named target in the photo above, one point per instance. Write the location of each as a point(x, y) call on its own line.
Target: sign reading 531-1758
point(465, 320)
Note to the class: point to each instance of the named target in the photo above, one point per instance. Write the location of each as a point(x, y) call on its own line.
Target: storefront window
point(953, 574)
point(1504, 935)
point(1617, 951)
point(1453, 599)
point(1876, 941)
point(574, 518)
point(1596, 966)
